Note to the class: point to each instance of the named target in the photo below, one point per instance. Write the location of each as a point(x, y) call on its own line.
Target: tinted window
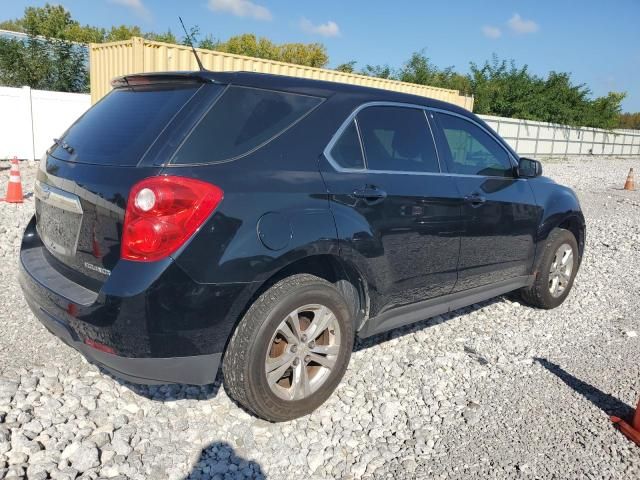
point(398, 139)
point(346, 151)
point(473, 151)
point(119, 129)
point(241, 120)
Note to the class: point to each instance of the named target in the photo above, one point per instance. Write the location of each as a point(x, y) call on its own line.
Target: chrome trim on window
point(435, 144)
point(359, 135)
point(352, 117)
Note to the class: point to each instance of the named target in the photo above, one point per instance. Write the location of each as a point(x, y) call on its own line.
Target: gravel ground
point(498, 390)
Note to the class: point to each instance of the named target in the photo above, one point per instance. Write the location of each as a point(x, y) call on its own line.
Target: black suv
point(261, 222)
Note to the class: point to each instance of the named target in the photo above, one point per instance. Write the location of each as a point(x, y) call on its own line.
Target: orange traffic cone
point(632, 432)
point(14, 189)
point(630, 184)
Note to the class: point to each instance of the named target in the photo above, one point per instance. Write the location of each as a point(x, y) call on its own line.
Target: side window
point(397, 139)
point(472, 150)
point(347, 152)
point(242, 119)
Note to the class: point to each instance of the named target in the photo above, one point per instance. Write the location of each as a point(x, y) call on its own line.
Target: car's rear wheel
point(291, 349)
point(556, 272)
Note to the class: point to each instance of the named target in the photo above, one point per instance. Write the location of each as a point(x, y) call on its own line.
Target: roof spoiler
point(141, 79)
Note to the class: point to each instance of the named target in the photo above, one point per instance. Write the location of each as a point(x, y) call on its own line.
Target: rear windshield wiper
point(64, 145)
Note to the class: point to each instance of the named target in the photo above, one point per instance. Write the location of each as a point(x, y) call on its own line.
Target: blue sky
point(598, 42)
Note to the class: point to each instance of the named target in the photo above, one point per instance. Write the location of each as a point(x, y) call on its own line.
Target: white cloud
point(328, 29)
point(520, 25)
point(241, 8)
point(136, 5)
point(491, 32)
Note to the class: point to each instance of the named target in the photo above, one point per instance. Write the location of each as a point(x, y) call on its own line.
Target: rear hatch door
point(84, 181)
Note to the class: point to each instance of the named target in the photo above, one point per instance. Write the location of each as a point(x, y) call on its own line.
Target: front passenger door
point(498, 210)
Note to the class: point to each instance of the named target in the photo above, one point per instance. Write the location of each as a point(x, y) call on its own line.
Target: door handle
point(370, 193)
point(475, 199)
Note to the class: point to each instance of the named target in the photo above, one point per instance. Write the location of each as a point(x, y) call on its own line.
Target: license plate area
point(58, 219)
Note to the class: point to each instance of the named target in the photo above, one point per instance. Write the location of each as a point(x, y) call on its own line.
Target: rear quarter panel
point(275, 209)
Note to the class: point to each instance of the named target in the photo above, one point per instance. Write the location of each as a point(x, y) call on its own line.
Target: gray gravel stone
point(15, 457)
point(495, 390)
point(121, 446)
point(83, 458)
point(8, 387)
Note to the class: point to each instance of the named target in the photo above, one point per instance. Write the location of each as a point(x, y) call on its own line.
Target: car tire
point(281, 334)
point(553, 281)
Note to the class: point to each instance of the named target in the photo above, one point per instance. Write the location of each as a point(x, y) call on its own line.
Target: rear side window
point(472, 150)
point(119, 129)
point(241, 120)
point(397, 139)
point(347, 152)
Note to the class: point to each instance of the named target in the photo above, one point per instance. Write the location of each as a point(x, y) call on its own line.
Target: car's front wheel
point(291, 349)
point(556, 272)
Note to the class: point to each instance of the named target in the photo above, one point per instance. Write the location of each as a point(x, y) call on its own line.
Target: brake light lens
point(163, 213)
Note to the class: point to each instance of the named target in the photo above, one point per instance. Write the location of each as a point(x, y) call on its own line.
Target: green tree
point(629, 121)
point(49, 21)
point(122, 32)
point(48, 59)
point(604, 112)
point(379, 71)
point(501, 88)
point(11, 25)
point(54, 64)
point(209, 43)
point(419, 69)
point(251, 46)
point(309, 54)
point(167, 37)
point(347, 67)
point(53, 21)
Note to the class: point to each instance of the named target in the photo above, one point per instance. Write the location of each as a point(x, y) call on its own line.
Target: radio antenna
point(195, 54)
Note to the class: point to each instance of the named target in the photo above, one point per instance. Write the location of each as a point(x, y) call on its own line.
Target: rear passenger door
point(499, 210)
point(397, 215)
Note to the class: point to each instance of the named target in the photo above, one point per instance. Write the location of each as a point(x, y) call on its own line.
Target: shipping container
point(138, 55)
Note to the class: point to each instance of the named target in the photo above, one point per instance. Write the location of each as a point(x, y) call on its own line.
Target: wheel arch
point(559, 208)
point(572, 221)
point(575, 224)
point(329, 266)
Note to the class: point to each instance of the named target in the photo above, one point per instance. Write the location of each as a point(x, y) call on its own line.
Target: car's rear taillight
point(163, 213)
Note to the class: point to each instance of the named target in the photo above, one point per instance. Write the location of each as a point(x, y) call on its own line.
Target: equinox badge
point(95, 268)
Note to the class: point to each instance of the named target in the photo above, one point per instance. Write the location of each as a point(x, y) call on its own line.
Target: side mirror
point(529, 168)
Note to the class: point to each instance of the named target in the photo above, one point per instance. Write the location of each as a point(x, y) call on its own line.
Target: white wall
point(550, 140)
point(31, 119)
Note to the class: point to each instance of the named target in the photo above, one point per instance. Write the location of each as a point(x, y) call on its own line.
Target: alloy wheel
point(561, 269)
point(302, 352)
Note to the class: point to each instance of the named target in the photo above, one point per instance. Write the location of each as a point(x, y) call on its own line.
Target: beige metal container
point(138, 55)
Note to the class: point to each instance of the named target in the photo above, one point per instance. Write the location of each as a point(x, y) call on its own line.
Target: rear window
point(120, 128)
point(242, 120)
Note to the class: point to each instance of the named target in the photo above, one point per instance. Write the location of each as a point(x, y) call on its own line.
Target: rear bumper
point(160, 326)
point(196, 370)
